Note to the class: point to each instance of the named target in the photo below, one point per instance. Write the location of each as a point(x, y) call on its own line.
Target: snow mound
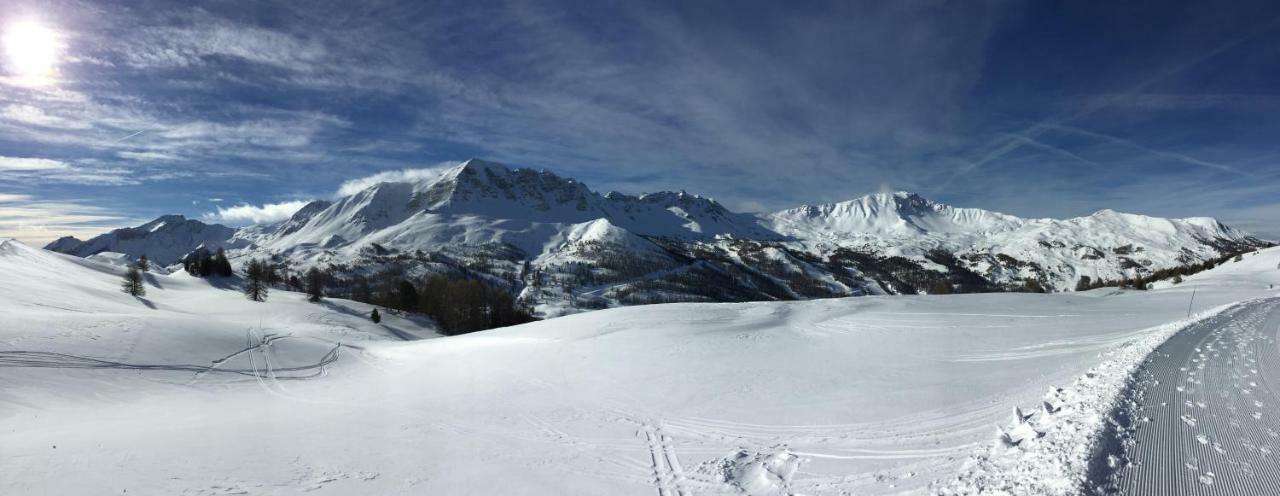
point(121, 261)
point(762, 473)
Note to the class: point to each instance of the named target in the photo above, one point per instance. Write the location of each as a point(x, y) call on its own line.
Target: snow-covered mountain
point(482, 202)
point(554, 241)
point(164, 240)
point(891, 216)
point(1005, 248)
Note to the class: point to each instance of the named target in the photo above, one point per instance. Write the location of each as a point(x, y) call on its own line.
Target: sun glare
point(32, 51)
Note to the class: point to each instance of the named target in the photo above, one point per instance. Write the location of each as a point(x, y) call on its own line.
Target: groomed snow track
point(1201, 415)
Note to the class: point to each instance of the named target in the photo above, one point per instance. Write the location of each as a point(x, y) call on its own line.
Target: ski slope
point(1203, 414)
point(868, 395)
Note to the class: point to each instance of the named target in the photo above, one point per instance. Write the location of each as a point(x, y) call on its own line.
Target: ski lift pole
point(1193, 302)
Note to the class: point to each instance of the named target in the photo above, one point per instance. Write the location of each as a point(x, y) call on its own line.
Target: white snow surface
point(868, 395)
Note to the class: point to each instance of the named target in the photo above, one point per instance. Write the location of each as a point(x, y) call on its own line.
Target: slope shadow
point(146, 302)
point(230, 282)
point(1103, 467)
point(404, 336)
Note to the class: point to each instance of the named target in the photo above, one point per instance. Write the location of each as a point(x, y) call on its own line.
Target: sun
point(32, 49)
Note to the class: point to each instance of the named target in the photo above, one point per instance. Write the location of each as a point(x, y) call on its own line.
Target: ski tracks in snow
point(1201, 415)
point(668, 476)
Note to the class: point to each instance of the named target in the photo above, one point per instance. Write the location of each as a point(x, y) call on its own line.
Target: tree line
point(1144, 282)
point(457, 304)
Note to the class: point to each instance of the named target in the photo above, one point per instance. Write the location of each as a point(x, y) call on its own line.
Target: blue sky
point(1032, 108)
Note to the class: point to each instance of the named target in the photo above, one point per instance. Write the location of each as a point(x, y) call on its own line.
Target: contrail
point(129, 136)
point(1009, 143)
point(1160, 153)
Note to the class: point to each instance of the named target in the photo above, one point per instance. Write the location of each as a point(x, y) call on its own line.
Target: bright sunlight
point(32, 51)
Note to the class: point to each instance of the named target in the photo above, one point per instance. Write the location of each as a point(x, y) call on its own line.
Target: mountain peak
point(162, 220)
point(64, 244)
point(895, 214)
point(474, 165)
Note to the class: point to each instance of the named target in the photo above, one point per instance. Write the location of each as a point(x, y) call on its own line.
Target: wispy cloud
point(30, 164)
point(290, 99)
point(37, 222)
point(353, 186)
point(30, 114)
point(148, 156)
point(270, 212)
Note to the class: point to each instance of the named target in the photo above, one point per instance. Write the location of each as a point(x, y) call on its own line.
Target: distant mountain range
point(561, 246)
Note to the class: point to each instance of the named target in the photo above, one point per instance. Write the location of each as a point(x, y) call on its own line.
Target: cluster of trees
point(1144, 282)
point(201, 263)
point(260, 275)
point(458, 305)
point(467, 305)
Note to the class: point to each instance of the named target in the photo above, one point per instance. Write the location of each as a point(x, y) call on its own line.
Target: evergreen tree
point(198, 263)
point(132, 284)
point(255, 282)
point(1083, 284)
point(220, 266)
point(315, 285)
point(408, 296)
point(143, 264)
point(375, 316)
point(1032, 285)
point(360, 290)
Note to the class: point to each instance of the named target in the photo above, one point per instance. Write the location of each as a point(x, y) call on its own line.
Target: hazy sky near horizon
point(113, 113)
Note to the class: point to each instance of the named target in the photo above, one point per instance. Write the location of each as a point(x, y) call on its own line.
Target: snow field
point(869, 395)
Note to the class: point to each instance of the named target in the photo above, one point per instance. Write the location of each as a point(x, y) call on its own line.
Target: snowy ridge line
point(1047, 449)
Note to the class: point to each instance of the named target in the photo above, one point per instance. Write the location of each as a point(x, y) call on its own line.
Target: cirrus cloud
point(30, 164)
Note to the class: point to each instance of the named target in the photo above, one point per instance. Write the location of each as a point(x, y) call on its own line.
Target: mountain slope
point(480, 202)
point(888, 215)
point(561, 246)
point(164, 240)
